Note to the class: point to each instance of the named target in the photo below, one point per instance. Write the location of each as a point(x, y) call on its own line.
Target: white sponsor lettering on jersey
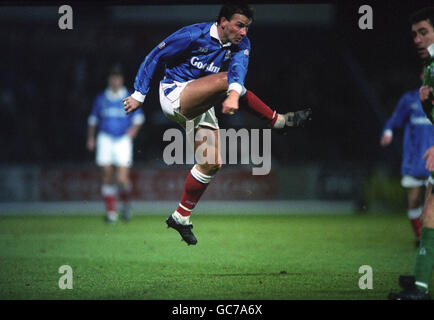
point(200, 65)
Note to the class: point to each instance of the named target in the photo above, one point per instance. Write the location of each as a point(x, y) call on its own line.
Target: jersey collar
point(214, 34)
point(112, 96)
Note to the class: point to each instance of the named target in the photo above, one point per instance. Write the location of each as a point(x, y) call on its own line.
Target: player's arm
point(237, 72)
point(91, 130)
point(92, 122)
point(397, 121)
point(138, 121)
point(169, 48)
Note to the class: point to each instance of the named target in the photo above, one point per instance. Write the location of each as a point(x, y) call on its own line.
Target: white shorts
point(117, 151)
point(412, 182)
point(170, 105)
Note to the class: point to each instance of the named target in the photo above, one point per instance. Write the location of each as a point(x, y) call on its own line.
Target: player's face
point(235, 30)
point(115, 82)
point(423, 37)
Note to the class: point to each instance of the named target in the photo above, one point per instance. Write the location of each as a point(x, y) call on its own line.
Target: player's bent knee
point(223, 81)
point(210, 168)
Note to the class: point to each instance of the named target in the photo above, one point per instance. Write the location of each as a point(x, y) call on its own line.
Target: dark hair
point(229, 9)
point(116, 70)
point(423, 14)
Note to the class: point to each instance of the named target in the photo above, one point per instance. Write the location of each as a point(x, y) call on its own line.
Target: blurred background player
point(194, 58)
point(416, 287)
point(114, 143)
point(418, 137)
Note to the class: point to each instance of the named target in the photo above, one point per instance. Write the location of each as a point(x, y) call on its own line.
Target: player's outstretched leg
point(280, 122)
point(201, 94)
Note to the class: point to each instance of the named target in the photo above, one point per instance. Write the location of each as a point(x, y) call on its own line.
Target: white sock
point(414, 213)
point(280, 122)
point(179, 218)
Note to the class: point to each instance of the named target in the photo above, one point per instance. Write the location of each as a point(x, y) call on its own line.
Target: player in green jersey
point(416, 287)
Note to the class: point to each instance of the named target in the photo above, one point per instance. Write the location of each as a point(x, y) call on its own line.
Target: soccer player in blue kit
point(418, 137)
point(195, 58)
point(114, 143)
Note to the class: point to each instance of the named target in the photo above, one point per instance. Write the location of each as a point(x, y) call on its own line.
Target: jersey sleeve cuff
point(92, 120)
point(236, 87)
point(388, 132)
point(138, 96)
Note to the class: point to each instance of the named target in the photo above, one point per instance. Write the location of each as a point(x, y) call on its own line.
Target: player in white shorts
point(205, 65)
point(170, 106)
point(114, 143)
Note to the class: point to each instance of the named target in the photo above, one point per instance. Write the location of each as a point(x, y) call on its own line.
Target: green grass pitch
point(240, 257)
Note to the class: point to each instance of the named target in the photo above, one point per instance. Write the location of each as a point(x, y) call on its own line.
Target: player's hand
point(385, 140)
point(429, 156)
point(131, 104)
point(427, 100)
point(91, 144)
point(425, 93)
point(230, 105)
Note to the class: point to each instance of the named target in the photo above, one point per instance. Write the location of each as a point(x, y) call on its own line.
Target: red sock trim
point(182, 211)
point(273, 121)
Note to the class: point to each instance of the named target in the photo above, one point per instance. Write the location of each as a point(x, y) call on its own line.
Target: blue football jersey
point(418, 133)
point(193, 52)
point(109, 114)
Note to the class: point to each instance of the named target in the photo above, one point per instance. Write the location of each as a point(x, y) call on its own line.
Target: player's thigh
point(201, 94)
point(123, 152)
point(207, 150)
point(104, 150)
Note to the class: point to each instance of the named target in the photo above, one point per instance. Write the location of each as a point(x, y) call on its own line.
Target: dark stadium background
point(351, 78)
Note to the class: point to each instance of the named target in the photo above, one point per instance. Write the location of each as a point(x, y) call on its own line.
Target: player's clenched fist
point(230, 105)
point(131, 104)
